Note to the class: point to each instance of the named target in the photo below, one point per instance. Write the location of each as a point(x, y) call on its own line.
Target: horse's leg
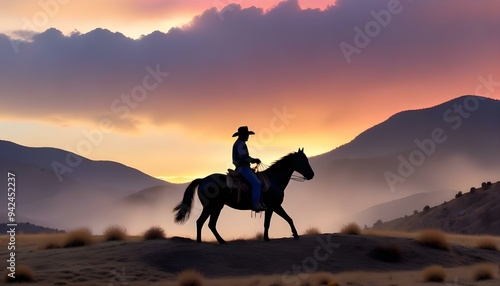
point(199, 223)
point(214, 216)
point(282, 213)
point(267, 223)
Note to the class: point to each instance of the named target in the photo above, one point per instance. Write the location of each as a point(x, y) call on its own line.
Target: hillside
point(476, 212)
point(58, 196)
point(398, 208)
point(159, 262)
point(29, 228)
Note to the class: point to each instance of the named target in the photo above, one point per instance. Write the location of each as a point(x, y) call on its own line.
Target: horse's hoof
point(267, 239)
point(296, 237)
point(222, 242)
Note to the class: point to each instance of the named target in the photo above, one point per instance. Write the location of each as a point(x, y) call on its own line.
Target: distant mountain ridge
point(348, 180)
point(42, 195)
point(465, 114)
point(475, 212)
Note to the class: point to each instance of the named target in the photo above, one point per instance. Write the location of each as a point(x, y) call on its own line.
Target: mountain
point(474, 212)
point(401, 207)
point(445, 147)
point(28, 228)
point(54, 185)
point(463, 121)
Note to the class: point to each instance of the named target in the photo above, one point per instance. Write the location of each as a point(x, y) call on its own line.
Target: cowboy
point(242, 161)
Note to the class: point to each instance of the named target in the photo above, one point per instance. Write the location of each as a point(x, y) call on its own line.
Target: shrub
point(154, 232)
point(259, 236)
point(426, 208)
point(484, 186)
point(434, 273)
point(23, 274)
point(115, 233)
point(487, 243)
point(351, 229)
point(313, 231)
point(415, 212)
point(473, 190)
point(322, 278)
point(458, 195)
point(378, 223)
point(386, 252)
point(483, 272)
point(489, 184)
point(190, 278)
point(78, 237)
point(433, 238)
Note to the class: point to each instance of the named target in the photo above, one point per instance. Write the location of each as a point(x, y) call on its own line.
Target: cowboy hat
point(243, 130)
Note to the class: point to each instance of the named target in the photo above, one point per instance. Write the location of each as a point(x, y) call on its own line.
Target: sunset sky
point(175, 79)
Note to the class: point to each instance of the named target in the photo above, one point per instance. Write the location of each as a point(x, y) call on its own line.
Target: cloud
point(236, 71)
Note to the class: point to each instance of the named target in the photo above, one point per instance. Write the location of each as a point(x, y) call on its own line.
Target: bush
point(154, 232)
point(426, 208)
point(190, 278)
point(458, 195)
point(378, 223)
point(434, 273)
point(386, 252)
point(351, 229)
point(115, 233)
point(415, 212)
point(433, 238)
point(484, 186)
point(313, 231)
point(483, 272)
point(473, 190)
point(24, 274)
point(78, 237)
point(259, 236)
point(487, 243)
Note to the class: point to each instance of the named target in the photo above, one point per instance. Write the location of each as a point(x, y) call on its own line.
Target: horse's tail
point(183, 209)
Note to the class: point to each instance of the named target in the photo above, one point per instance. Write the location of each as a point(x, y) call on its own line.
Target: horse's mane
point(283, 161)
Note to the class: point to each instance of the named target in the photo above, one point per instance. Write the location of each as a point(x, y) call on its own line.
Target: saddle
point(235, 181)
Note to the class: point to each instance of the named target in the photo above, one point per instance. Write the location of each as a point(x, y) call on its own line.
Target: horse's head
point(301, 165)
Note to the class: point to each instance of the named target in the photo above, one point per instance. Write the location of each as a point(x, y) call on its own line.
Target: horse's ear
point(301, 150)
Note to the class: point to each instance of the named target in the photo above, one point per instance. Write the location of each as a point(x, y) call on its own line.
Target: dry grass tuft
point(23, 274)
point(434, 273)
point(190, 278)
point(323, 278)
point(351, 229)
point(154, 232)
point(312, 231)
point(389, 252)
point(115, 233)
point(433, 238)
point(78, 237)
point(483, 272)
point(259, 236)
point(487, 243)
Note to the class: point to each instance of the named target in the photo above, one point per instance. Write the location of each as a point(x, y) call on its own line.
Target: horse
point(214, 194)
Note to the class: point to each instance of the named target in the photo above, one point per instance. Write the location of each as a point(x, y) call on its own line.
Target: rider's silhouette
point(242, 161)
